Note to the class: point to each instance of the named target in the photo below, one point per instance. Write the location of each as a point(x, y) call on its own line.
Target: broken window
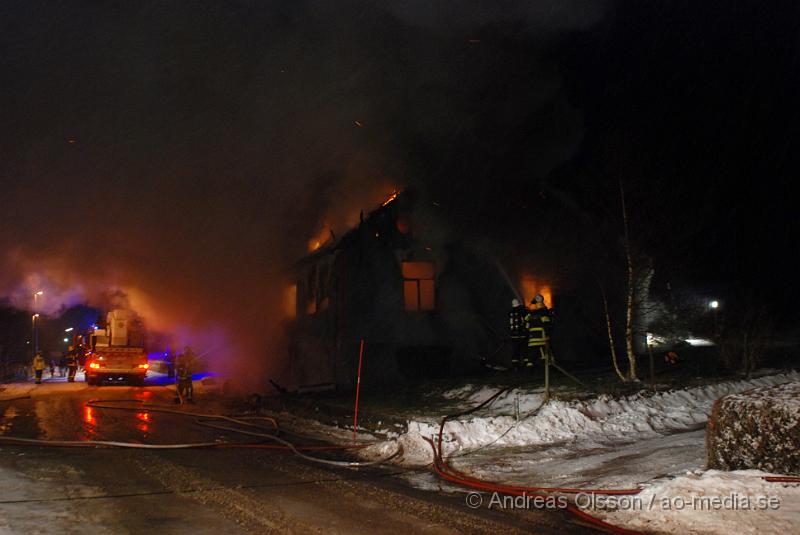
point(418, 286)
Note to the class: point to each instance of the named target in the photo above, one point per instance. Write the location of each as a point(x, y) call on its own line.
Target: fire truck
point(116, 352)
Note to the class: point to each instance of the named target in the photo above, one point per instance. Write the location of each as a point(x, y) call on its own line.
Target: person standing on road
point(38, 367)
point(185, 369)
point(170, 359)
point(72, 365)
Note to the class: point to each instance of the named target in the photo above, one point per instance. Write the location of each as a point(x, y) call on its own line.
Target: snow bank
point(710, 502)
point(600, 420)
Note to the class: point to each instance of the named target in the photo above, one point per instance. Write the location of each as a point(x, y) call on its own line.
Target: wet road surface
point(103, 490)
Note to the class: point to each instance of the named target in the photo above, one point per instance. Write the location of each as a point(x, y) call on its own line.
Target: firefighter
point(518, 328)
point(38, 367)
point(185, 369)
point(539, 321)
point(170, 359)
point(72, 365)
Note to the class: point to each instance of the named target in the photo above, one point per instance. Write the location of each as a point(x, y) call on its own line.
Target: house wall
point(365, 300)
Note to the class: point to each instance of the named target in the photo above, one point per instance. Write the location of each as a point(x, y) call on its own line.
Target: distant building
point(427, 305)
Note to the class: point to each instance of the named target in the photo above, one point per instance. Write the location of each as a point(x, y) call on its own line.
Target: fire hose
point(446, 472)
point(243, 421)
point(782, 479)
point(203, 419)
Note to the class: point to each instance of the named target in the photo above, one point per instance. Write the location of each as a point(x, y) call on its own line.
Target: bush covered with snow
point(756, 429)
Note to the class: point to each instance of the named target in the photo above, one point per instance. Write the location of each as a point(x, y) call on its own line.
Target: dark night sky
point(202, 144)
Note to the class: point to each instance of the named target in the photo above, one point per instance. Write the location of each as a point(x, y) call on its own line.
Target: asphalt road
point(47, 489)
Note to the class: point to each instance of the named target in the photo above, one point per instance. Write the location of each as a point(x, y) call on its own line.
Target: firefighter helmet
point(515, 303)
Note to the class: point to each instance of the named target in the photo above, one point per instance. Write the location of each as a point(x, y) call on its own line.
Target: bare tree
point(630, 290)
point(744, 340)
point(610, 331)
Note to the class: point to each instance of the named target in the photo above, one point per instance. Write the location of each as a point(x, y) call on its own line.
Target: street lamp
point(35, 323)
point(714, 305)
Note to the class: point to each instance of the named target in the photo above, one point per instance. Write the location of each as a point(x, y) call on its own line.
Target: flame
point(322, 237)
point(348, 212)
point(391, 197)
point(531, 286)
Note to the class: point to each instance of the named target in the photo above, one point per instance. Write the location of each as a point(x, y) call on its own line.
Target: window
point(418, 287)
point(290, 301)
point(311, 291)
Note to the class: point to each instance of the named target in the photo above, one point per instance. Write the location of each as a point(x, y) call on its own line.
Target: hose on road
point(205, 419)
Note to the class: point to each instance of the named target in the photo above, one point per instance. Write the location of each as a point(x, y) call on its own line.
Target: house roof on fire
point(399, 200)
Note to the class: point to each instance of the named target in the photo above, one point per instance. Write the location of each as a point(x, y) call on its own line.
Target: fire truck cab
point(117, 352)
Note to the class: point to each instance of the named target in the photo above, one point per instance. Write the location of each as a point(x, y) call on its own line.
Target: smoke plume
point(186, 154)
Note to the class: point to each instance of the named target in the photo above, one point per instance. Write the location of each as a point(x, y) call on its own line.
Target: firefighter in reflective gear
point(518, 329)
point(38, 367)
point(185, 368)
point(539, 321)
point(72, 365)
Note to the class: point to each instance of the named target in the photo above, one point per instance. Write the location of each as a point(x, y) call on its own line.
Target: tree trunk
point(611, 337)
point(632, 371)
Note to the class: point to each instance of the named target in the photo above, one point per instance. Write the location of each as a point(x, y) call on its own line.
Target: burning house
point(425, 303)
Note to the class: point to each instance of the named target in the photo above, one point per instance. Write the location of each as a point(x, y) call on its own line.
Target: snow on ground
point(586, 464)
point(711, 502)
point(36, 500)
point(655, 441)
point(594, 422)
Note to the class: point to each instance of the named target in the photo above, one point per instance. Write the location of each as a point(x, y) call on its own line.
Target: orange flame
point(531, 286)
point(320, 239)
point(391, 197)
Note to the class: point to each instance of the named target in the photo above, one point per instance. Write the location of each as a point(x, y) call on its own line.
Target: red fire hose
point(782, 479)
point(445, 471)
